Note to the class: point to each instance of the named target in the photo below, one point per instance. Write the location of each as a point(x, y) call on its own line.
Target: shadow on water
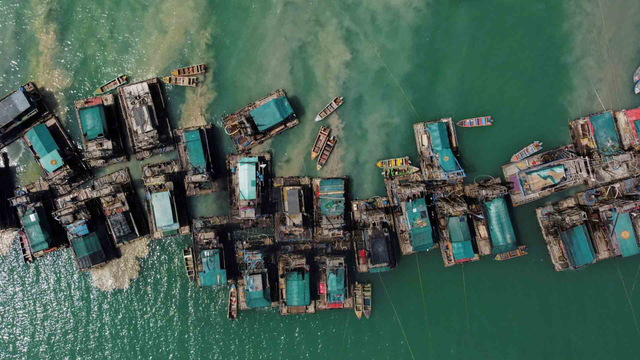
point(296, 104)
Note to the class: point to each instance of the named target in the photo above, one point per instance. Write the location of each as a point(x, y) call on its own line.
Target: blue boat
point(636, 88)
point(636, 76)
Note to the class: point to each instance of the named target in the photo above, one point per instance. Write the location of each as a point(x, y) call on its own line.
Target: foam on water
point(119, 273)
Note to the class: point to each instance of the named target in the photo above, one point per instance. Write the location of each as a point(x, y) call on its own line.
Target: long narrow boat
point(399, 171)
point(113, 84)
point(475, 122)
point(181, 80)
point(190, 70)
point(520, 251)
point(636, 89)
point(188, 263)
point(528, 150)
point(392, 163)
point(326, 152)
point(366, 295)
point(232, 314)
point(321, 139)
point(359, 301)
point(330, 108)
point(636, 75)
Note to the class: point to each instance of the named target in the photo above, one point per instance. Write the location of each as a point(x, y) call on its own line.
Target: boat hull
point(330, 108)
point(190, 70)
point(527, 151)
point(326, 152)
point(321, 140)
point(636, 89)
point(475, 122)
point(112, 85)
point(636, 75)
point(520, 251)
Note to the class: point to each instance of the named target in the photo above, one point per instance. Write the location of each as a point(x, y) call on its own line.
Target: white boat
point(330, 108)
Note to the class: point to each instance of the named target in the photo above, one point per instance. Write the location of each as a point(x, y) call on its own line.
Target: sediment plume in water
point(118, 273)
point(6, 240)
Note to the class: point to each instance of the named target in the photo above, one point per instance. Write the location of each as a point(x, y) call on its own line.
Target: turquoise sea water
point(531, 65)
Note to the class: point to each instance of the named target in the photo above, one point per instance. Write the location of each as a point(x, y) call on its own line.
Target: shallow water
point(531, 65)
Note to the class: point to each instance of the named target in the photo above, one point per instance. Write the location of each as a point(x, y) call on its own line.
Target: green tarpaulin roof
point(257, 292)
point(335, 285)
point(578, 246)
point(45, 147)
point(604, 130)
point(163, 211)
point(37, 228)
point(88, 250)
point(625, 234)
point(331, 197)
point(460, 237)
point(441, 146)
point(298, 290)
point(503, 238)
point(271, 113)
point(195, 149)
point(212, 273)
point(420, 231)
point(94, 121)
point(247, 178)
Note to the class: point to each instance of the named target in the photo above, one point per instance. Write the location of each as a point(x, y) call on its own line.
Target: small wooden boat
point(475, 122)
point(392, 163)
point(326, 152)
point(113, 84)
point(232, 314)
point(636, 89)
point(359, 300)
point(181, 80)
point(190, 70)
point(188, 264)
point(636, 75)
point(520, 251)
point(321, 139)
point(330, 108)
point(528, 150)
point(399, 171)
point(366, 295)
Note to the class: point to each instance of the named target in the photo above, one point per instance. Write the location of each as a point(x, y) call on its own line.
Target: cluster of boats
point(324, 144)
point(362, 293)
point(186, 76)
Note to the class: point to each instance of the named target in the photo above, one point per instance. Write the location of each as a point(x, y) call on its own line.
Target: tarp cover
point(12, 106)
point(88, 250)
point(604, 130)
point(331, 197)
point(335, 288)
point(298, 290)
point(625, 234)
point(271, 113)
point(420, 230)
point(441, 146)
point(577, 245)
point(197, 159)
point(45, 147)
point(257, 292)
point(460, 237)
point(541, 178)
point(212, 273)
point(380, 250)
point(163, 211)
point(503, 238)
point(94, 121)
point(37, 228)
point(247, 178)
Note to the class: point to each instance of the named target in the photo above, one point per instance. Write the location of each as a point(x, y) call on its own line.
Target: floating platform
point(294, 209)
point(20, 110)
point(334, 291)
point(101, 136)
point(260, 121)
point(165, 210)
point(294, 280)
point(249, 179)
point(257, 283)
point(373, 234)
point(330, 212)
point(208, 252)
point(195, 160)
point(456, 239)
point(628, 125)
point(437, 144)
point(143, 109)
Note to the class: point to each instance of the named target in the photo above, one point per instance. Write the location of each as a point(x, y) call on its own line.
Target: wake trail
point(633, 311)
point(397, 317)
point(424, 303)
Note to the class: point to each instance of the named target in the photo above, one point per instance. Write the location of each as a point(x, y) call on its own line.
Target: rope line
point(397, 317)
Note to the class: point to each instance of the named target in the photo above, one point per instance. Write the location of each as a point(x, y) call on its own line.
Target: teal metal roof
point(441, 146)
point(86, 245)
point(577, 245)
point(247, 178)
point(195, 149)
point(212, 273)
point(420, 231)
point(94, 121)
point(604, 130)
point(625, 234)
point(331, 197)
point(503, 238)
point(163, 211)
point(335, 285)
point(257, 291)
point(460, 237)
point(271, 113)
point(45, 147)
point(37, 228)
point(298, 290)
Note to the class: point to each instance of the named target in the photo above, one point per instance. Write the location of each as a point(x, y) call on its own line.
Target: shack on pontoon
point(195, 159)
point(333, 283)
point(209, 256)
point(166, 218)
point(329, 210)
point(438, 148)
point(294, 285)
point(294, 209)
point(19, 111)
point(373, 235)
point(249, 188)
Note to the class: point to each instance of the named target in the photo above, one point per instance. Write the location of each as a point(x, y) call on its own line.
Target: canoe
point(188, 264)
point(330, 108)
point(321, 139)
point(636, 75)
point(520, 251)
point(190, 70)
point(636, 89)
point(399, 171)
point(113, 84)
point(528, 150)
point(232, 314)
point(326, 152)
point(475, 122)
point(181, 80)
point(391, 163)
point(366, 295)
point(359, 301)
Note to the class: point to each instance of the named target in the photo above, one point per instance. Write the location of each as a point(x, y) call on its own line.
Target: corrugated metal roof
point(293, 202)
point(257, 291)
point(441, 146)
point(37, 228)
point(625, 234)
point(88, 250)
point(212, 273)
point(163, 211)
point(335, 285)
point(298, 290)
point(420, 231)
point(460, 237)
point(94, 121)
point(578, 246)
point(45, 147)
point(247, 178)
point(503, 238)
point(195, 149)
point(271, 113)
point(12, 106)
